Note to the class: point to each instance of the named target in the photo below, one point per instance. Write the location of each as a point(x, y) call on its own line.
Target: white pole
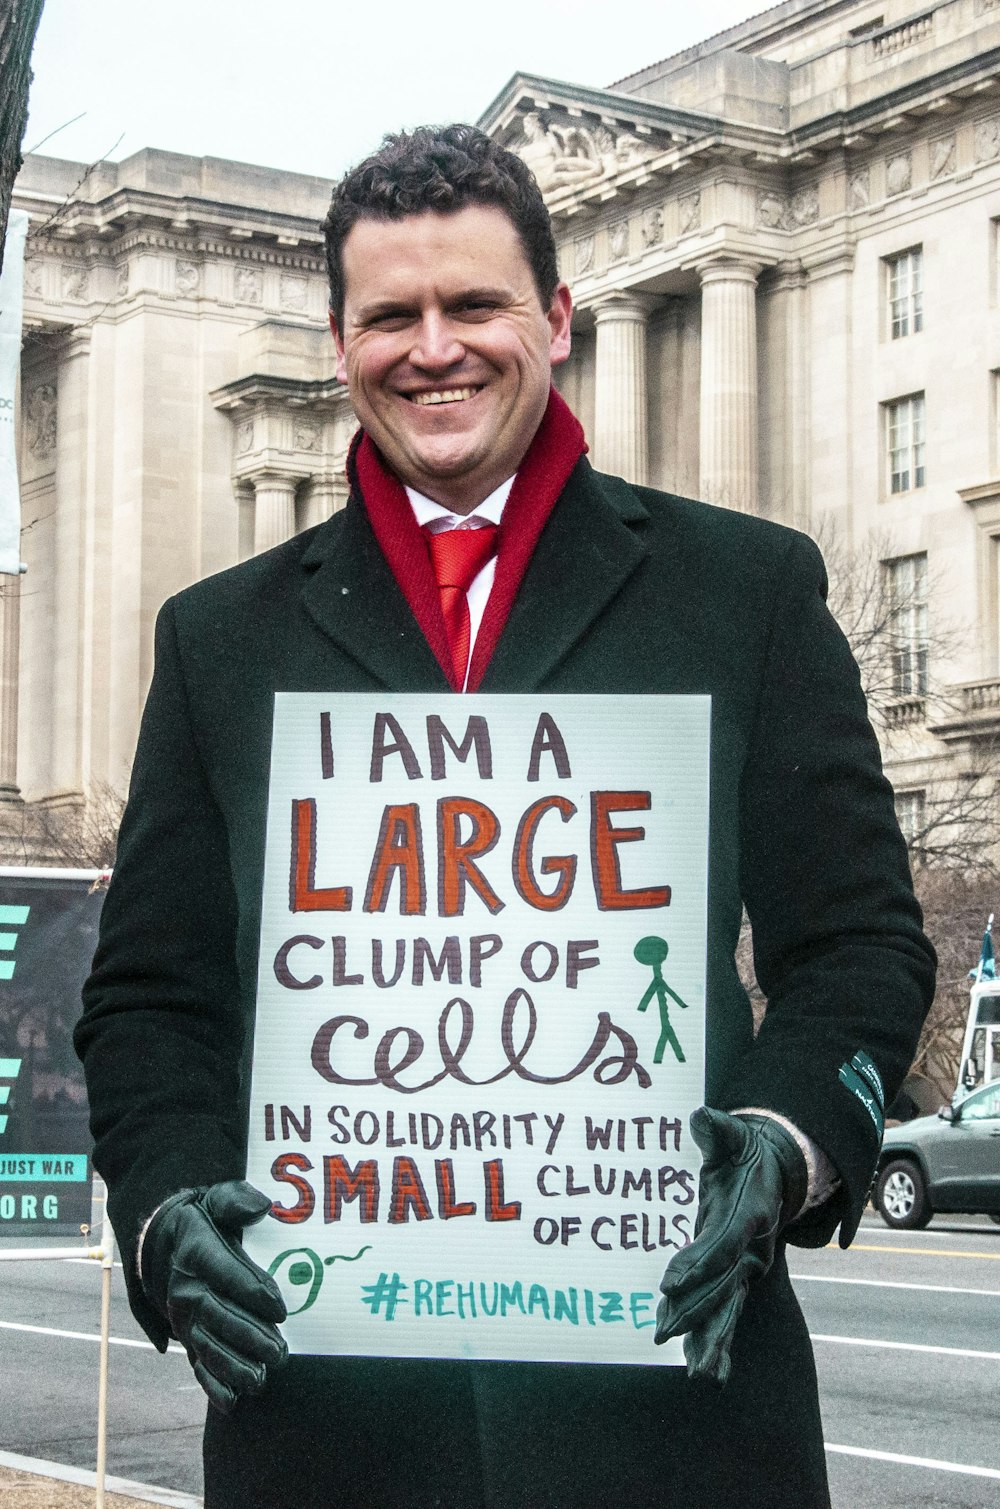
point(44, 1254)
point(107, 1263)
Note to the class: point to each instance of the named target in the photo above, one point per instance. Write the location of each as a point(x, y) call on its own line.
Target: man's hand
point(219, 1304)
point(753, 1182)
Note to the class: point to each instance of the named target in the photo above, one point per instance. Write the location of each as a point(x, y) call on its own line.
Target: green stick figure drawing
point(652, 951)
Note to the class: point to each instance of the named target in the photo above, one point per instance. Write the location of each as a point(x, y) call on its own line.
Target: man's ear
point(560, 317)
point(338, 341)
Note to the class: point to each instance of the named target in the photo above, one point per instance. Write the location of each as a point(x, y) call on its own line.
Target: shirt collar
point(437, 517)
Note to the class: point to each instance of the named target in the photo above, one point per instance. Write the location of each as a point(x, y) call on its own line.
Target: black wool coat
point(628, 591)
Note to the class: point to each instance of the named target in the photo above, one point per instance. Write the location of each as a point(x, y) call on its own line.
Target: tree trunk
point(18, 23)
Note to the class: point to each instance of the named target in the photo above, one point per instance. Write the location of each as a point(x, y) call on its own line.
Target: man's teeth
point(445, 395)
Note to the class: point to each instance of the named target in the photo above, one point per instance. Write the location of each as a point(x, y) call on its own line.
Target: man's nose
point(437, 344)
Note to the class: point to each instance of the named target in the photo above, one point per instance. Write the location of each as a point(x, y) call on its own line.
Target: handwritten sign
point(480, 1021)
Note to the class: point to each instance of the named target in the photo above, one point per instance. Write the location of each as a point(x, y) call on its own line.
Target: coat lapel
point(588, 550)
point(352, 595)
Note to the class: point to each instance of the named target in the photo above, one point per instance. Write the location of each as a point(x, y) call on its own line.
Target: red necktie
point(458, 556)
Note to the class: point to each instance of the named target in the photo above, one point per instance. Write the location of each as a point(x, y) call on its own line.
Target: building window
point(906, 293)
point(906, 586)
point(911, 814)
point(906, 426)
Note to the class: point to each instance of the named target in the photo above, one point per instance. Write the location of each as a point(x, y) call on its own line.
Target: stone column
point(322, 498)
point(274, 510)
point(74, 498)
point(785, 399)
point(728, 424)
point(245, 518)
point(10, 642)
point(620, 434)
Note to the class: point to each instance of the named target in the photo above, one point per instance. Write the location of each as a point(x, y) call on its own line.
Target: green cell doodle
point(309, 1268)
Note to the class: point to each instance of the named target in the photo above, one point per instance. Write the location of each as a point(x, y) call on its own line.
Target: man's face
point(446, 349)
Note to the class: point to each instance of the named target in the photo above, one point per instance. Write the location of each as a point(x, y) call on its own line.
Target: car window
point(983, 1106)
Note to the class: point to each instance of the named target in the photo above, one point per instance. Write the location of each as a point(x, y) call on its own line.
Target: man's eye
point(392, 320)
point(476, 308)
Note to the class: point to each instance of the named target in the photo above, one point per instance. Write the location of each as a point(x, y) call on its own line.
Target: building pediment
point(593, 143)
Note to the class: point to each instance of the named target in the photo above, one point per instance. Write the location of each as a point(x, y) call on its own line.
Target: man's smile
point(443, 395)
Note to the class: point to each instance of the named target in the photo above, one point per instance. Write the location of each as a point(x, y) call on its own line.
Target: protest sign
point(48, 933)
point(480, 1021)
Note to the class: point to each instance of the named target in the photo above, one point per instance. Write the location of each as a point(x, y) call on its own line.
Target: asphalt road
point(906, 1328)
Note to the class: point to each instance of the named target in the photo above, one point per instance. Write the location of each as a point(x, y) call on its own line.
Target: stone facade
point(784, 249)
point(178, 411)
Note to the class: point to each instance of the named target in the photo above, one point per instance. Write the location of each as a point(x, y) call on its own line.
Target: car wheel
point(901, 1196)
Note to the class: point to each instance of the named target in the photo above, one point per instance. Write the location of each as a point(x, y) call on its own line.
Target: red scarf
point(557, 447)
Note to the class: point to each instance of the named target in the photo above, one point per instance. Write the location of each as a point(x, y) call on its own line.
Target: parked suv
point(944, 1163)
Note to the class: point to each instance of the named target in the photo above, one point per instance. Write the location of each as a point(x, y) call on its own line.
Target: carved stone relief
point(121, 282)
point(306, 435)
point(621, 151)
point(74, 281)
point(244, 436)
point(248, 285)
point(562, 154)
point(805, 206)
point(772, 210)
point(40, 414)
point(987, 140)
point(689, 212)
point(292, 292)
point(859, 190)
point(943, 156)
point(186, 277)
point(898, 173)
point(652, 225)
point(618, 240)
point(33, 279)
point(583, 255)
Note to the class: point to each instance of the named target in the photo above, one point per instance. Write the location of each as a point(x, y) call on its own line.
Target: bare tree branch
point(78, 837)
point(952, 834)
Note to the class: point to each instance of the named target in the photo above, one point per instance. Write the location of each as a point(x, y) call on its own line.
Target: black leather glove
point(753, 1182)
point(219, 1304)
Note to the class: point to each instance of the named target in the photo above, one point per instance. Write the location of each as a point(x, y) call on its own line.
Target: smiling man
point(479, 549)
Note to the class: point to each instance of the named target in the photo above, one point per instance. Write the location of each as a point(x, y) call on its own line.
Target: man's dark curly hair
point(441, 168)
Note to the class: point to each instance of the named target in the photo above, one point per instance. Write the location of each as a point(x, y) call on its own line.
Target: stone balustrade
point(980, 696)
point(905, 713)
point(895, 38)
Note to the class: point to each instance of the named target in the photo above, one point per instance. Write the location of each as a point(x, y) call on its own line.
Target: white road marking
point(116, 1341)
point(885, 1283)
point(928, 1463)
point(847, 1341)
point(904, 1461)
point(904, 1346)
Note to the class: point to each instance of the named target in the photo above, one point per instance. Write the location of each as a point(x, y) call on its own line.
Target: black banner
point(48, 932)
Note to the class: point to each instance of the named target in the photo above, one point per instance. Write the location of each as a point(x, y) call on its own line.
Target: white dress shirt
point(436, 518)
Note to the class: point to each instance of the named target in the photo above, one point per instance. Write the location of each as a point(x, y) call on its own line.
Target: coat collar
point(589, 548)
point(352, 595)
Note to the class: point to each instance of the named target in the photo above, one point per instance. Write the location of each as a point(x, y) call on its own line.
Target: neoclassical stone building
point(784, 247)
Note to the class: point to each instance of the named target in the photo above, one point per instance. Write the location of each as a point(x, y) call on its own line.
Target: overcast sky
point(311, 85)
